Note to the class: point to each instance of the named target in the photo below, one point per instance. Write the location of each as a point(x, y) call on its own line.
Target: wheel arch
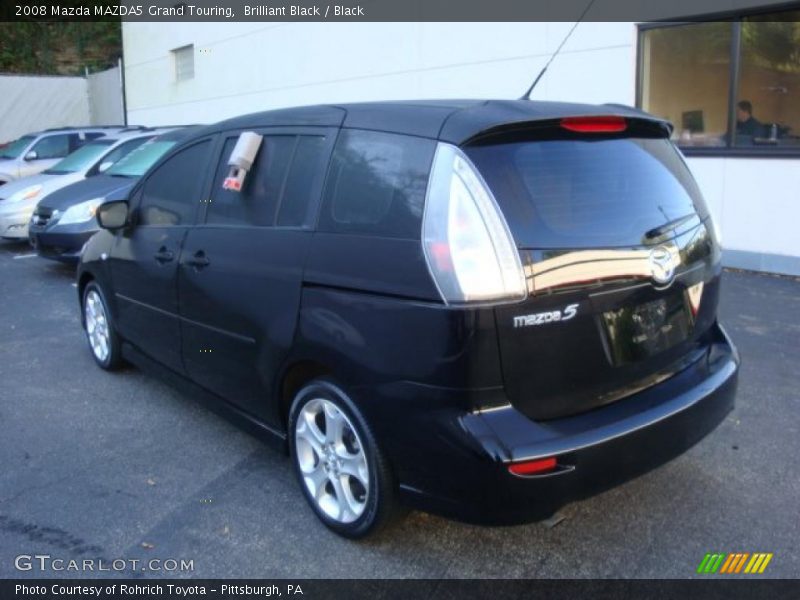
point(83, 280)
point(296, 375)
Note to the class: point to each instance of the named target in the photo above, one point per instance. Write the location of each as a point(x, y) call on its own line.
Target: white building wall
point(248, 67)
point(245, 67)
point(755, 203)
point(105, 97)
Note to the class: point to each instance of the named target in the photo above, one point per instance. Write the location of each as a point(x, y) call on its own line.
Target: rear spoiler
point(578, 126)
point(465, 125)
point(642, 114)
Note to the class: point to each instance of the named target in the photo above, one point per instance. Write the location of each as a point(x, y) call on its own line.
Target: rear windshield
point(82, 158)
point(580, 193)
point(15, 148)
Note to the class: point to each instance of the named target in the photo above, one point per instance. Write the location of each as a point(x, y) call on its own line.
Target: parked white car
point(18, 199)
point(35, 152)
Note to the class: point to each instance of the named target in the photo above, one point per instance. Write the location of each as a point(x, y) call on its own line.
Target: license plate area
point(643, 330)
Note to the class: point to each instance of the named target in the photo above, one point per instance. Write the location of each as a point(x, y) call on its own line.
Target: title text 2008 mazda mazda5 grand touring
point(481, 309)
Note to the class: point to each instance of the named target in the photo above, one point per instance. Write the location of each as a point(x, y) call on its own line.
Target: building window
point(183, 58)
point(727, 86)
point(769, 83)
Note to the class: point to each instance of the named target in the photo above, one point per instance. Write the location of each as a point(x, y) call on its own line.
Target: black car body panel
point(455, 393)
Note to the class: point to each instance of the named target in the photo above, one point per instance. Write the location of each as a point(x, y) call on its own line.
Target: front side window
point(376, 185)
point(53, 146)
point(171, 193)
point(15, 148)
point(689, 72)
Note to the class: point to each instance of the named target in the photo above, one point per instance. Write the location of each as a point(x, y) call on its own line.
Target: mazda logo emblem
point(662, 265)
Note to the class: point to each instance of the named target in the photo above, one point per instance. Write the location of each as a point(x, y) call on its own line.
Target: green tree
point(65, 48)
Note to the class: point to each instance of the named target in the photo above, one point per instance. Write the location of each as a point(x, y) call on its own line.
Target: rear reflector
point(594, 124)
point(533, 467)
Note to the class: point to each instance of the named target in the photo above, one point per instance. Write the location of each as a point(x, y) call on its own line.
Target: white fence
point(31, 102)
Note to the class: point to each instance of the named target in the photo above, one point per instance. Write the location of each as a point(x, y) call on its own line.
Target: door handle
point(163, 255)
point(199, 260)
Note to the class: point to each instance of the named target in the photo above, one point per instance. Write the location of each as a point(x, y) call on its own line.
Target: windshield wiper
point(662, 229)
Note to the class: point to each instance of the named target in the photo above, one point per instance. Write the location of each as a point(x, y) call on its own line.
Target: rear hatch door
point(620, 258)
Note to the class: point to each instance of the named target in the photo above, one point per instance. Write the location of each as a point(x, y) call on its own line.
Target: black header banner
point(380, 10)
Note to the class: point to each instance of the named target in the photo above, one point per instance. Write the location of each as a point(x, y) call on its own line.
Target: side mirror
point(113, 215)
point(105, 166)
point(32, 155)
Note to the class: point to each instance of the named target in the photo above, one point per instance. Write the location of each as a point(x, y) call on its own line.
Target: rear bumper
point(459, 463)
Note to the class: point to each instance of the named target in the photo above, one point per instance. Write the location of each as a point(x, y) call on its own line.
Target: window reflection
point(377, 184)
point(768, 109)
point(686, 77)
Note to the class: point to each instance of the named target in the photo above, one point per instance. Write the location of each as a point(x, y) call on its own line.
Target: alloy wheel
point(332, 460)
point(97, 326)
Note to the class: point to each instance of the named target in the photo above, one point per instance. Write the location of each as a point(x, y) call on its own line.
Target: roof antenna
point(527, 95)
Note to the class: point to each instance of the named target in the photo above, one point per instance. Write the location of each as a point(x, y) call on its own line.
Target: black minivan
point(483, 309)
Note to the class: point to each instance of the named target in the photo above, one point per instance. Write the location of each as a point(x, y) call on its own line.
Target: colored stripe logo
point(736, 562)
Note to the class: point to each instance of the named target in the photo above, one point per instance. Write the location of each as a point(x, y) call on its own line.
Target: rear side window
point(377, 184)
point(587, 193)
point(171, 192)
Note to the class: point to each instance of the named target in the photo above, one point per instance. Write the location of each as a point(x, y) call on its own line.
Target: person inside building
point(746, 123)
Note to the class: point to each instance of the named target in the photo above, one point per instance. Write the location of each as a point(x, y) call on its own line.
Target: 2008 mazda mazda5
point(484, 309)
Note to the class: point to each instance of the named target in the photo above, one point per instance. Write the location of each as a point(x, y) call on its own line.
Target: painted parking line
point(18, 256)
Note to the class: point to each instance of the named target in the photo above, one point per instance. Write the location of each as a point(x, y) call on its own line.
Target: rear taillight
point(467, 243)
point(594, 124)
point(533, 467)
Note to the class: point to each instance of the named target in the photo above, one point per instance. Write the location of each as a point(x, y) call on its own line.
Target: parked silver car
point(35, 152)
point(18, 199)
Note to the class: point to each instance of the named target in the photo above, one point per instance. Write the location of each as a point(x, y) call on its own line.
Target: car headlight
point(29, 193)
point(80, 213)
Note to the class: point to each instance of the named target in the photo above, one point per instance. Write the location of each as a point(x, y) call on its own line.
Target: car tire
point(330, 442)
point(99, 327)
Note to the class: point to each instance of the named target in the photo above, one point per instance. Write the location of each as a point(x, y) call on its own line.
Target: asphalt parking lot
point(121, 466)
